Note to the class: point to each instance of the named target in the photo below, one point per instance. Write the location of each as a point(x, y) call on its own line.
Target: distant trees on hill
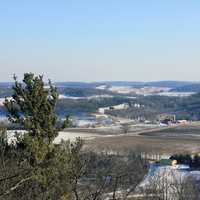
point(83, 92)
point(187, 88)
point(5, 92)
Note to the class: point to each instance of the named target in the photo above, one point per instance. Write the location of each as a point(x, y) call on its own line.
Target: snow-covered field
point(2, 101)
point(62, 136)
point(176, 94)
point(101, 87)
point(73, 135)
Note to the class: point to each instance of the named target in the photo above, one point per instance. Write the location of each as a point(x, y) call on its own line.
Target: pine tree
point(41, 166)
point(32, 107)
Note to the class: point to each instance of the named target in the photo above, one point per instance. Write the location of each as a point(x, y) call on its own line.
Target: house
point(166, 119)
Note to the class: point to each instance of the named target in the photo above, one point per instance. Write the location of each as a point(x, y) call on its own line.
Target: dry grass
point(180, 139)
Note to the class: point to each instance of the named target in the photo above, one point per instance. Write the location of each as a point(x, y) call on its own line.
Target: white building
point(116, 107)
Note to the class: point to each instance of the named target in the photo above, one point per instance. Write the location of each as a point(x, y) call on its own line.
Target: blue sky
point(92, 40)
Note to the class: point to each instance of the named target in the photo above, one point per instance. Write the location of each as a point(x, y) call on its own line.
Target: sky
point(98, 40)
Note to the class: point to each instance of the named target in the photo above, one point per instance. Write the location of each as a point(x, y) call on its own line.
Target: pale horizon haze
point(106, 40)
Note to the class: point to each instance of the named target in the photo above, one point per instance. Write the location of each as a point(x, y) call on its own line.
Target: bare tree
point(170, 185)
point(125, 128)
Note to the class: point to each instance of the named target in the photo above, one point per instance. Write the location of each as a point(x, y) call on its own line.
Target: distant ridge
point(188, 88)
point(169, 84)
point(182, 86)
